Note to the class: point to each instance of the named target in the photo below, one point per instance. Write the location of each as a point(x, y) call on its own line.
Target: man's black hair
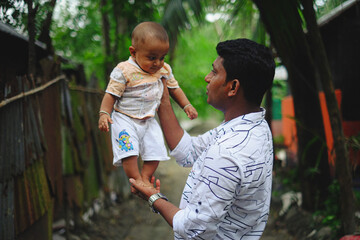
point(249, 62)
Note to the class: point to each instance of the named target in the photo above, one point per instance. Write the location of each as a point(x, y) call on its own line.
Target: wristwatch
point(153, 198)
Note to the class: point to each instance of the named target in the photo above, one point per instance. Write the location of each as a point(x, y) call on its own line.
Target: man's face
point(216, 85)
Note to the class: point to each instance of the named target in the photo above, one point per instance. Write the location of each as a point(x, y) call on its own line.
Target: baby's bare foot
point(146, 182)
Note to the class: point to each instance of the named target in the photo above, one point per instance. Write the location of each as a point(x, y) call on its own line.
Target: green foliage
point(330, 216)
point(194, 56)
point(77, 32)
point(325, 6)
point(177, 16)
point(279, 140)
point(286, 176)
point(77, 37)
point(235, 19)
point(290, 179)
point(195, 49)
point(354, 142)
point(311, 171)
point(14, 13)
point(357, 197)
point(279, 89)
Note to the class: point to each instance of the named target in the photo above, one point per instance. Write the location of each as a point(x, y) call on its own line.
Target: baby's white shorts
point(134, 137)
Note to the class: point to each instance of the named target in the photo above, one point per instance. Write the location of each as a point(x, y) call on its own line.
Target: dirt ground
point(133, 220)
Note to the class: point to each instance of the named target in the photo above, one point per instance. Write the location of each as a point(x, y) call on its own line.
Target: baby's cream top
point(138, 92)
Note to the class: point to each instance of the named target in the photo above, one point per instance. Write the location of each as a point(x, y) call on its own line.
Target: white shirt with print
point(228, 191)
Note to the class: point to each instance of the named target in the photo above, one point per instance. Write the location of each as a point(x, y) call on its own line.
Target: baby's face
point(150, 55)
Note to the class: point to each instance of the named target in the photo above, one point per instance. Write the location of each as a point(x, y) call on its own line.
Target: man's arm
point(168, 121)
point(166, 209)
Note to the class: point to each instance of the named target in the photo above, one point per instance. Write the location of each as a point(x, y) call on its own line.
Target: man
point(228, 191)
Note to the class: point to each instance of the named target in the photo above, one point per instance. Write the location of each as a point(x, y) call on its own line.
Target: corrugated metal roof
point(51, 123)
point(21, 136)
point(336, 12)
point(33, 197)
point(7, 230)
point(23, 160)
point(12, 141)
point(6, 29)
point(33, 131)
point(36, 132)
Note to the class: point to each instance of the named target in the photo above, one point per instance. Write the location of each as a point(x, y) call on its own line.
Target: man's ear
point(132, 51)
point(234, 87)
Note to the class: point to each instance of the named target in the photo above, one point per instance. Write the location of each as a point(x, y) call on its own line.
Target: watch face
point(153, 198)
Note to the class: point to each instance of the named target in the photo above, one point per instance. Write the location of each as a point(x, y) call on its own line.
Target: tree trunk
point(31, 43)
point(121, 29)
point(342, 162)
point(117, 16)
point(45, 27)
point(106, 39)
point(283, 23)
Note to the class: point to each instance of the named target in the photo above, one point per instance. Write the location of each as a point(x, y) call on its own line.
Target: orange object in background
point(288, 124)
point(351, 128)
point(327, 125)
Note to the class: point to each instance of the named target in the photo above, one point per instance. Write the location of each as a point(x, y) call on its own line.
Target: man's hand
point(166, 209)
point(143, 190)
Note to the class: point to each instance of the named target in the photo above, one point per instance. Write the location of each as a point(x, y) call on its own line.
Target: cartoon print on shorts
point(124, 143)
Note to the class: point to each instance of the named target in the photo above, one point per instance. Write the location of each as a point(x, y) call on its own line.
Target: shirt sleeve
point(117, 83)
point(170, 79)
point(212, 196)
point(189, 148)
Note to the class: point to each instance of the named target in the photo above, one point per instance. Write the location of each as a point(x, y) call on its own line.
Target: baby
point(131, 100)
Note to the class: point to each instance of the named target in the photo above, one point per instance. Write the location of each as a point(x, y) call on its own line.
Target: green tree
point(176, 18)
point(97, 33)
point(118, 18)
point(77, 36)
point(284, 22)
point(342, 161)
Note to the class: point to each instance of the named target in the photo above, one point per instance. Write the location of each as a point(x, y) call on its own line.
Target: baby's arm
point(179, 96)
point(106, 108)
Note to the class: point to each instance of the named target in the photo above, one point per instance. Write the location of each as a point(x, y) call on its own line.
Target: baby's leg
point(148, 170)
point(131, 167)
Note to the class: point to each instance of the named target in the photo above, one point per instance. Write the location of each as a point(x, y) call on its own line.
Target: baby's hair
point(146, 30)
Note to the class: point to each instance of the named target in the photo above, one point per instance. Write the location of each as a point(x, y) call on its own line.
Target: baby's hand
point(104, 121)
point(191, 112)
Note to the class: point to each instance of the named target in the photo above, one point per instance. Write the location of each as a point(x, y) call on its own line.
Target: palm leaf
point(177, 16)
